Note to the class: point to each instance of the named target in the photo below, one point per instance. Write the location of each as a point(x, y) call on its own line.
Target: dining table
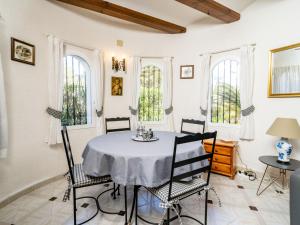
point(136, 163)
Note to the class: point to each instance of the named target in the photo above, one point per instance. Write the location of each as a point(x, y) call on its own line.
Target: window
point(225, 93)
point(77, 104)
point(151, 94)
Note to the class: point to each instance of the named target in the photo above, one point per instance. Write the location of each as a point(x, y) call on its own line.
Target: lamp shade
point(286, 128)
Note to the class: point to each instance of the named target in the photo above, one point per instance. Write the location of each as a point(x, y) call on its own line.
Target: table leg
point(282, 173)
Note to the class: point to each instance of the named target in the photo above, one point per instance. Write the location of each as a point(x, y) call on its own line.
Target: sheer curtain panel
point(99, 98)
point(135, 82)
point(3, 116)
point(204, 85)
point(168, 93)
point(246, 93)
point(55, 88)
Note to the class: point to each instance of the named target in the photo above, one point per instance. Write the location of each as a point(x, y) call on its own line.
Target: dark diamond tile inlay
point(253, 208)
point(209, 201)
point(52, 199)
point(240, 187)
point(84, 205)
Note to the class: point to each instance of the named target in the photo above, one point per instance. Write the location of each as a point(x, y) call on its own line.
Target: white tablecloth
point(137, 163)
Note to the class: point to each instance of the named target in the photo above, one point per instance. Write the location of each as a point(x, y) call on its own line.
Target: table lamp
point(286, 128)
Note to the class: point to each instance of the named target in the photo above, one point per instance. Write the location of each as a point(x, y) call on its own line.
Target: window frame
point(158, 63)
point(230, 57)
point(70, 51)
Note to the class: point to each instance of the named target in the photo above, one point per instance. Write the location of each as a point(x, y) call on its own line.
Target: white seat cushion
point(179, 189)
point(83, 180)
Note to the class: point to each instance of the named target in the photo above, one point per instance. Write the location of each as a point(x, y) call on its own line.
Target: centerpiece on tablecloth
point(144, 135)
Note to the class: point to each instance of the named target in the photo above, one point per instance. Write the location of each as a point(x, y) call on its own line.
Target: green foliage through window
point(151, 97)
point(76, 93)
point(225, 93)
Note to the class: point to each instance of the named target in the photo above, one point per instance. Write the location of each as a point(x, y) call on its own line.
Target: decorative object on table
point(286, 128)
point(22, 52)
point(118, 65)
point(144, 135)
point(284, 72)
point(187, 72)
point(117, 86)
point(273, 162)
point(224, 157)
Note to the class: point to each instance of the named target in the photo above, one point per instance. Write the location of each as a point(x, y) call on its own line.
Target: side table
point(283, 167)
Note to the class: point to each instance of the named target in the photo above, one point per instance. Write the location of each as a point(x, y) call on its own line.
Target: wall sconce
point(118, 65)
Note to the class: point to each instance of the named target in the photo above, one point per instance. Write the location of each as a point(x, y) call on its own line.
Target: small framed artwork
point(116, 86)
point(187, 72)
point(22, 52)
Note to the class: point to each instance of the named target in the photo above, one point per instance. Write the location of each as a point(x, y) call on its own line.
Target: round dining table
point(130, 162)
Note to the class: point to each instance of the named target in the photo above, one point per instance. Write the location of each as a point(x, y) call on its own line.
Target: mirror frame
point(270, 94)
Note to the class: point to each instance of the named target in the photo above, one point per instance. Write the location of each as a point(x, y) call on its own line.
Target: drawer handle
point(216, 159)
point(216, 150)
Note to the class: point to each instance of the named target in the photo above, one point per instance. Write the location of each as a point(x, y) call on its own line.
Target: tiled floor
point(240, 205)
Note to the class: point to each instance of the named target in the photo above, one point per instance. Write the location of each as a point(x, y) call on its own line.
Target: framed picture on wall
point(116, 86)
point(22, 52)
point(187, 72)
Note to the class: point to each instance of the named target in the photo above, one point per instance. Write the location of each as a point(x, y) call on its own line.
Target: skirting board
point(29, 189)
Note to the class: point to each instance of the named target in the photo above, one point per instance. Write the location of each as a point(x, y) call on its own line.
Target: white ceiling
point(176, 12)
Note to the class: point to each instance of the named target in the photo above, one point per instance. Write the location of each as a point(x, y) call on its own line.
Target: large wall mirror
point(284, 77)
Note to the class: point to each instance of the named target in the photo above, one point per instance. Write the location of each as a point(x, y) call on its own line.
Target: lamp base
point(284, 149)
point(283, 162)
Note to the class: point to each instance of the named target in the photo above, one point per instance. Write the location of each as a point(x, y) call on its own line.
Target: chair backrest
point(68, 151)
point(118, 119)
point(204, 160)
point(188, 121)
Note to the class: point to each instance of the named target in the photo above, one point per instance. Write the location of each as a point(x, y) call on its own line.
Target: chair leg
point(168, 216)
point(125, 200)
point(74, 205)
point(136, 204)
point(114, 193)
point(205, 213)
point(118, 189)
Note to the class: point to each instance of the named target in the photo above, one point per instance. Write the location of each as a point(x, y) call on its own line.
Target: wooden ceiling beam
point(214, 9)
point(130, 15)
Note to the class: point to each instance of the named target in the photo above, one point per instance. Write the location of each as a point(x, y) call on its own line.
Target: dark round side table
point(283, 167)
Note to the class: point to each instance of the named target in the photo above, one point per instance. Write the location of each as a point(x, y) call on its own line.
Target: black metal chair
point(107, 130)
point(117, 119)
point(188, 121)
point(175, 190)
point(77, 179)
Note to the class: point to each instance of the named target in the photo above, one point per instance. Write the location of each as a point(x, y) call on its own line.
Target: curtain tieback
point(203, 111)
point(99, 112)
point(133, 111)
point(248, 111)
point(55, 113)
point(169, 110)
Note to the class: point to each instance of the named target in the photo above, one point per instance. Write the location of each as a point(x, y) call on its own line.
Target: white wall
point(269, 24)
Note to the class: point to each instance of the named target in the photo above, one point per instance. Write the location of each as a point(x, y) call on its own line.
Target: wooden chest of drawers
point(224, 157)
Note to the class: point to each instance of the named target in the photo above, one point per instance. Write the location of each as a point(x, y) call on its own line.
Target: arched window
point(77, 103)
point(225, 92)
point(151, 94)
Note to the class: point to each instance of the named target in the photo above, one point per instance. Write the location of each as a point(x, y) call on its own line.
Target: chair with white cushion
point(176, 189)
point(77, 179)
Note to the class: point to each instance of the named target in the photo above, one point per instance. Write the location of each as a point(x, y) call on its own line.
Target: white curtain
point(204, 85)
point(168, 93)
point(3, 117)
point(134, 84)
point(286, 79)
point(246, 92)
point(99, 97)
point(55, 87)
